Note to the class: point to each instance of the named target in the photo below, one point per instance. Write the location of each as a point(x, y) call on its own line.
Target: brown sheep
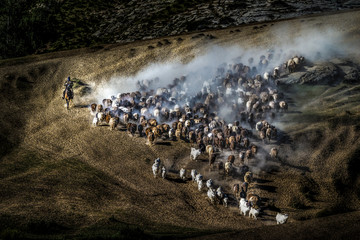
point(174, 125)
point(100, 108)
point(248, 177)
point(283, 106)
point(232, 143)
point(152, 122)
point(192, 137)
point(114, 121)
point(274, 152)
point(231, 158)
point(291, 65)
point(248, 155)
point(209, 150)
point(212, 159)
point(148, 130)
point(93, 107)
point(180, 125)
point(268, 133)
point(151, 138)
point(156, 131)
point(236, 190)
point(166, 127)
point(244, 186)
point(253, 149)
point(126, 118)
point(262, 135)
point(107, 118)
point(178, 134)
point(246, 142)
point(253, 199)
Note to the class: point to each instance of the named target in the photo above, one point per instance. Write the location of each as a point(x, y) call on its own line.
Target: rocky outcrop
point(331, 72)
point(141, 20)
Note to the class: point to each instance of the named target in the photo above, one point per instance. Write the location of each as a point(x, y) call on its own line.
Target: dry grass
point(57, 171)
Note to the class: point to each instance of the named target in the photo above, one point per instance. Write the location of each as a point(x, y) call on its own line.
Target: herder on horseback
point(68, 93)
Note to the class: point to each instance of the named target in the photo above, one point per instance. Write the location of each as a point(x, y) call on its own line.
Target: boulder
point(323, 73)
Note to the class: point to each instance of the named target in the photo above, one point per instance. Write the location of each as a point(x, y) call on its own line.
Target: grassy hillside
point(61, 178)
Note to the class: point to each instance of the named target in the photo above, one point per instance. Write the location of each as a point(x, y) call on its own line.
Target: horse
point(69, 95)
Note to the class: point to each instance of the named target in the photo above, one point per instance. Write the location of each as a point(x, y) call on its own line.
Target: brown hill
point(59, 176)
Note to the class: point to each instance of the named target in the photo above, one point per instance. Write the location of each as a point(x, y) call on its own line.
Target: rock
point(351, 74)
point(323, 73)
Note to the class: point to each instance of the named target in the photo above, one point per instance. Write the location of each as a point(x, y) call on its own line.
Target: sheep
point(259, 125)
point(248, 177)
point(211, 195)
point(163, 172)
point(283, 106)
point(95, 121)
point(228, 168)
point(231, 158)
point(113, 122)
point(266, 76)
point(200, 185)
point(236, 190)
point(281, 218)
point(219, 192)
point(253, 199)
point(198, 177)
point(274, 152)
point(291, 65)
point(242, 156)
point(209, 183)
point(276, 73)
point(225, 200)
point(93, 108)
point(254, 212)
point(194, 154)
point(193, 174)
point(183, 173)
point(155, 169)
point(244, 207)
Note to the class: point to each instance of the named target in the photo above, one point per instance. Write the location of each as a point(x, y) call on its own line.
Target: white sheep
point(200, 185)
point(209, 183)
point(193, 174)
point(276, 73)
point(259, 125)
point(156, 113)
point(254, 212)
point(194, 154)
point(281, 218)
point(198, 177)
point(244, 207)
point(211, 195)
point(248, 105)
point(155, 169)
point(219, 193)
point(163, 172)
point(95, 121)
point(225, 200)
point(183, 173)
point(266, 76)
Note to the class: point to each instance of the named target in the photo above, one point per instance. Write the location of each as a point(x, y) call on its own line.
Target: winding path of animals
point(233, 143)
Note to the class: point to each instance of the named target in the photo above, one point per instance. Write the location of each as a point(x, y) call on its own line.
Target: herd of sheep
point(251, 99)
